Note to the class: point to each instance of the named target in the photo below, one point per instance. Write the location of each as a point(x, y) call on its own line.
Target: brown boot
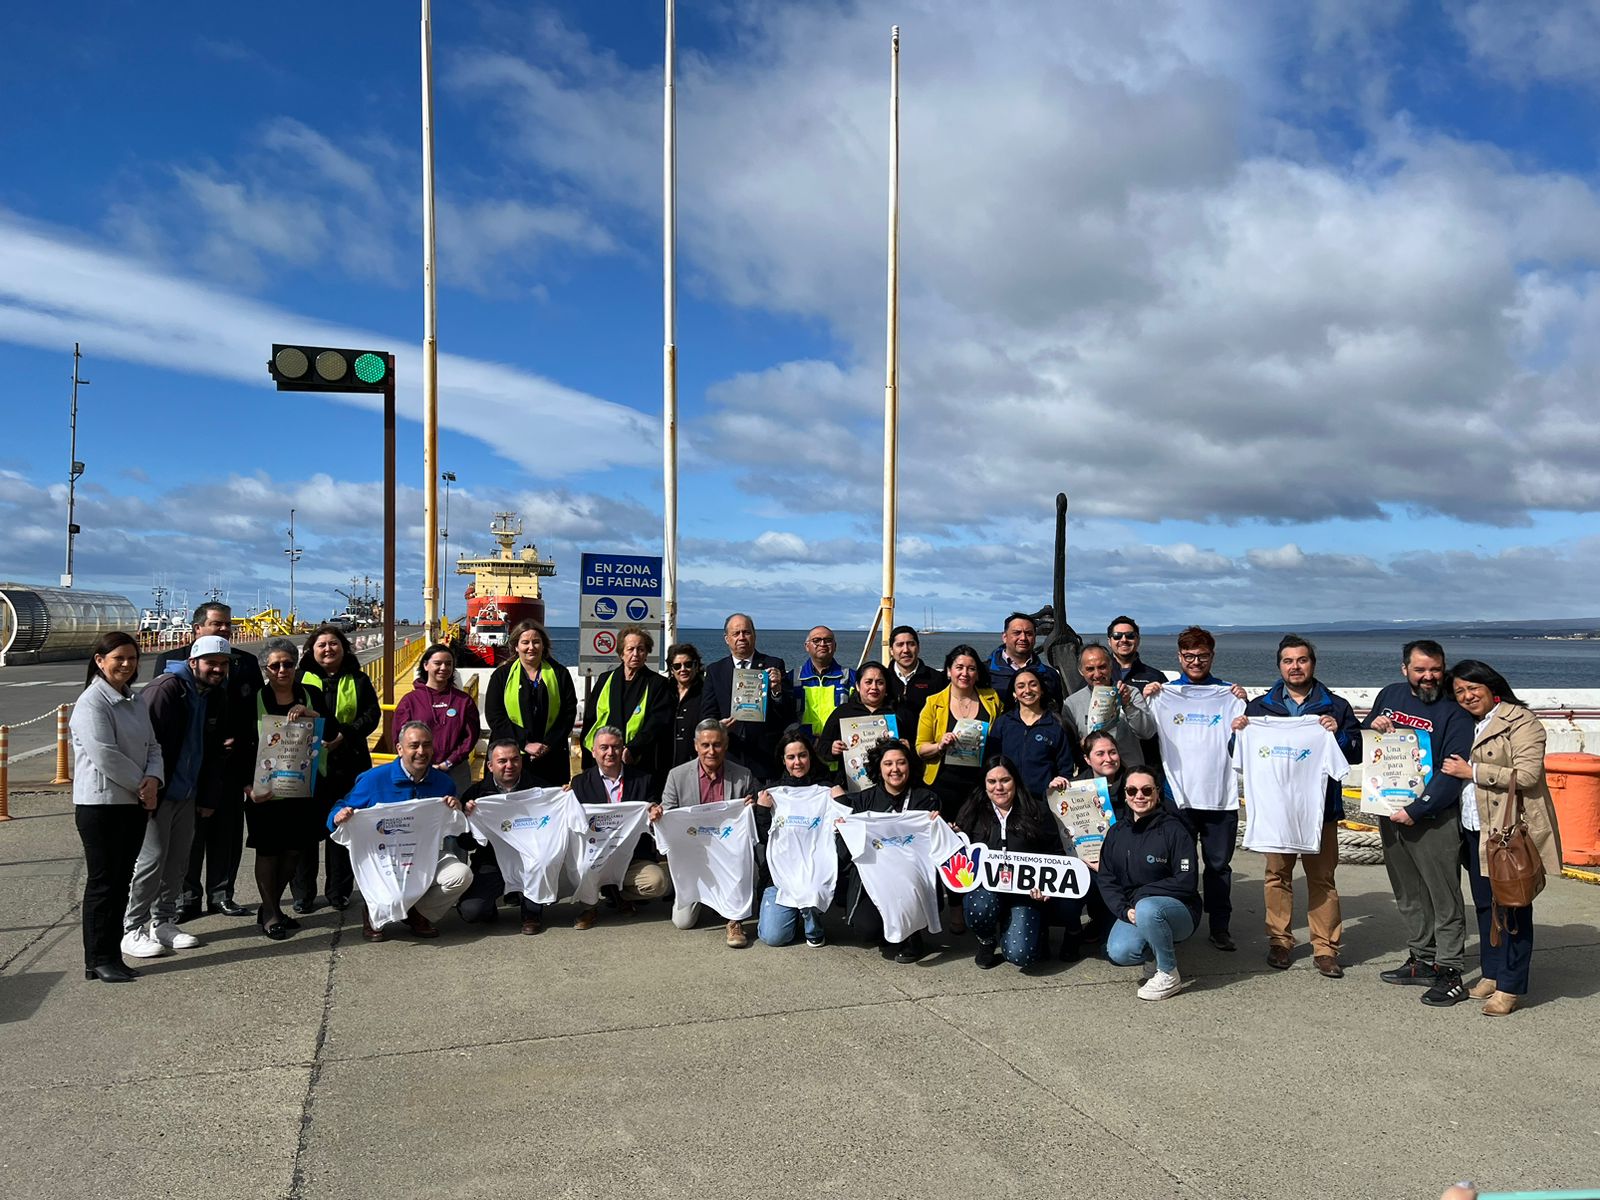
point(1483, 989)
point(368, 931)
point(420, 926)
point(1501, 1004)
point(587, 918)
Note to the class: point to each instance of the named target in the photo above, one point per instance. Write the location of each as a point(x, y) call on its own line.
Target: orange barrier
point(1574, 781)
point(63, 751)
point(5, 772)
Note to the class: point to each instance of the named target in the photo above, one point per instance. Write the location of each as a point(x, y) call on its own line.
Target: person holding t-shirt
point(1421, 842)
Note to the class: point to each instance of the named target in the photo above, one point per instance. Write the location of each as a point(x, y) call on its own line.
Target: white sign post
point(617, 590)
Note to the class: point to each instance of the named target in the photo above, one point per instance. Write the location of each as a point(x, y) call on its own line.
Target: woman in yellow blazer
point(968, 697)
point(1508, 742)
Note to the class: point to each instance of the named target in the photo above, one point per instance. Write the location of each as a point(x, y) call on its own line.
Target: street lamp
point(449, 477)
point(74, 469)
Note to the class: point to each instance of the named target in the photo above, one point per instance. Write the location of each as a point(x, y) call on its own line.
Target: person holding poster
point(952, 765)
point(1299, 693)
point(1422, 841)
point(867, 716)
point(281, 829)
point(1104, 769)
point(1147, 876)
point(1003, 815)
point(1194, 716)
point(411, 776)
point(610, 781)
point(531, 701)
point(751, 744)
point(1119, 708)
point(1032, 736)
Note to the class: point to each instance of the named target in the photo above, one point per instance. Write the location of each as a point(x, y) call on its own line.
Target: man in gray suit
point(710, 779)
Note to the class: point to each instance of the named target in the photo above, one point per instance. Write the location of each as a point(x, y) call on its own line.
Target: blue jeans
point(1508, 963)
point(1163, 922)
point(1008, 919)
point(777, 923)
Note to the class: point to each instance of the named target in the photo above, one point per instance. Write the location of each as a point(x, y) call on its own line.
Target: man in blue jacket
point(1422, 842)
point(1299, 693)
point(1016, 651)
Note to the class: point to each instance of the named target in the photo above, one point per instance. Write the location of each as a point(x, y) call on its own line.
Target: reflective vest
point(345, 704)
point(513, 695)
point(602, 714)
point(821, 694)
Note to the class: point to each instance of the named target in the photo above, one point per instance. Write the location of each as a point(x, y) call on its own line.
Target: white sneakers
point(173, 938)
point(1161, 985)
point(142, 943)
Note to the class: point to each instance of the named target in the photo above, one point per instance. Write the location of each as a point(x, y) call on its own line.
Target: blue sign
point(638, 610)
point(621, 574)
point(605, 608)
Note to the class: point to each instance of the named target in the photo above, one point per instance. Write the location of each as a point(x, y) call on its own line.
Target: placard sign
point(616, 591)
point(975, 866)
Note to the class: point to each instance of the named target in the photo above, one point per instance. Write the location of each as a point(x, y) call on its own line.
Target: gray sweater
point(113, 747)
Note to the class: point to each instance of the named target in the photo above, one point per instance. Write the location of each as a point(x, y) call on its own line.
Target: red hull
point(490, 620)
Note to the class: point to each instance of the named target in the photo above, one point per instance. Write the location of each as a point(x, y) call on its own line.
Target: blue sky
point(1296, 302)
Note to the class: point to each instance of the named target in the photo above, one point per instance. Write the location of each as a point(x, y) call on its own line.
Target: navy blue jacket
point(1321, 702)
point(1042, 751)
point(1448, 728)
point(1001, 673)
point(1152, 855)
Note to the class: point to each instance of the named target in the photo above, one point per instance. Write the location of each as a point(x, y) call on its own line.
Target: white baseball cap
point(211, 644)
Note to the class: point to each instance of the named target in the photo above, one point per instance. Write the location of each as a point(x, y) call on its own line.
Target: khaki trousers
point(1323, 915)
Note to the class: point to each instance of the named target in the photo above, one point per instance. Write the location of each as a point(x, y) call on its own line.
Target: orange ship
point(504, 590)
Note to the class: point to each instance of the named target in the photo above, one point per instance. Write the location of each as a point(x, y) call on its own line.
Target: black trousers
point(111, 835)
point(339, 878)
point(1218, 833)
point(219, 845)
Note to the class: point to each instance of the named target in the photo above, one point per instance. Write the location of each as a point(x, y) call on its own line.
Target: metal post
point(388, 547)
point(63, 761)
point(293, 553)
point(444, 560)
point(669, 354)
point(5, 772)
point(430, 352)
point(891, 400)
point(74, 468)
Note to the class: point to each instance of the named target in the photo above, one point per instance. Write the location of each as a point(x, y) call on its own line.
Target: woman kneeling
point(1147, 875)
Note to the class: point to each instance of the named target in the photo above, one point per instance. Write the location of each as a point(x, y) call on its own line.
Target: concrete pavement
point(637, 1059)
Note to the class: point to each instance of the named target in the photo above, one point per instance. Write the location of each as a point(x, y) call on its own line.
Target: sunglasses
point(289, 666)
point(683, 666)
point(1138, 791)
point(1124, 637)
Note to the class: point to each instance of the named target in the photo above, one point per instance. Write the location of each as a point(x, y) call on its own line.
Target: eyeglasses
point(1197, 656)
point(288, 666)
point(683, 666)
point(1124, 637)
point(822, 641)
point(1138, 791)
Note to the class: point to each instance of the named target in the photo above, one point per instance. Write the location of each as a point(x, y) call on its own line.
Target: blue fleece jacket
point(1320, 702)
point(389, 784)
point(1448, 728)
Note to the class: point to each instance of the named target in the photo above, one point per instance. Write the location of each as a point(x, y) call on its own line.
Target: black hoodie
point(1152, 855)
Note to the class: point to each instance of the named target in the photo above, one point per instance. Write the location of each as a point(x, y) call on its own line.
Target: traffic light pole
point(388, 550)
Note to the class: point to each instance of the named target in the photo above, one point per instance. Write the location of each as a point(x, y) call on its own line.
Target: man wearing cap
point(186, 706)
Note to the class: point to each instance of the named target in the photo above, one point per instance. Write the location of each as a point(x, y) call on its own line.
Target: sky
point(1297, 303)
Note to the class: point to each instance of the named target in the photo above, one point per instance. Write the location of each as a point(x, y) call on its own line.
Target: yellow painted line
point(1581, 876)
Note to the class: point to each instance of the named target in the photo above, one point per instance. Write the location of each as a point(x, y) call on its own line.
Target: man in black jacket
point(504, 771)
point(219, 829)
point(1299, 693)
point(751, 744)
point(609, 782)
point(911, 681)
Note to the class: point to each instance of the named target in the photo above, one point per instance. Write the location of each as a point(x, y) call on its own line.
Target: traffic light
point(325, 369)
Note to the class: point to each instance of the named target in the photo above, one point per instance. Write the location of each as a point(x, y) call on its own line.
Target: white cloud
point(1527, 40)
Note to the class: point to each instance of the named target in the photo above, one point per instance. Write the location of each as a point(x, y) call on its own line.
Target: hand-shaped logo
point(960, 870)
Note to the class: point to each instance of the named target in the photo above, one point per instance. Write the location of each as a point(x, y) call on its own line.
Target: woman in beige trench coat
point(1507, 743)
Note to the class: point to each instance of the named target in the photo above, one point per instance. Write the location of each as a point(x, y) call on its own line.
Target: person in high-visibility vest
point(821, 686)
point(638, 701)
point(531, 701)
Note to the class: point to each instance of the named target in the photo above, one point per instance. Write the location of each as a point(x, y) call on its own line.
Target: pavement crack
point(297, 1177)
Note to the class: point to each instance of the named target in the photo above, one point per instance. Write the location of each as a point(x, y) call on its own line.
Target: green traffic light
point(370, 368)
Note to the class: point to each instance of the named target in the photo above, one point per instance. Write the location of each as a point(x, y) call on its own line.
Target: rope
point(46, 716)
point(1359, 846)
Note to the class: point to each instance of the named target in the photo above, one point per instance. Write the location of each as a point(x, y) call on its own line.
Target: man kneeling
point(410, 777)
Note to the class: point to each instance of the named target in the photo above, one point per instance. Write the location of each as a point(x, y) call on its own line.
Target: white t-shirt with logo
point(800, 849)
point(600, 853)
point(711, 855)
point(1193, 725)
point(394, 853)
point(897, 856)
point(1286, 763)
point(530, 833)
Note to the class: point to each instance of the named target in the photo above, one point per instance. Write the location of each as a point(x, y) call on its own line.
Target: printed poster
point(1104, 703)
point(1083, 810)
point(860, 735)
point(751, 688)
point(286, 761)
point(1395, 767)
point(967, 749)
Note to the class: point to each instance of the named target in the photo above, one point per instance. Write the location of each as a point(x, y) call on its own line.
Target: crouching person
point(1147, 876)
point(411, 776)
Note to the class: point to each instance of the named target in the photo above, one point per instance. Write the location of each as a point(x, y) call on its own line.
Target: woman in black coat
point(530, 700)
point(896, 776)
point(1002, 815)
point(688, 676)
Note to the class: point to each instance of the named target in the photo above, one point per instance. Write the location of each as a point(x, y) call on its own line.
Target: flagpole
point(669, 356)
point(430, 352)
point(891, 400)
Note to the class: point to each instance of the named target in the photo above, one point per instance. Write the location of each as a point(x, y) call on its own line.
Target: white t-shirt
point(394, 852)
point(530, 833)
point(1286, 763)
point(1193, 725)
point(711, 854)
point(600, 854)
point(898, 857)
point(800, 848)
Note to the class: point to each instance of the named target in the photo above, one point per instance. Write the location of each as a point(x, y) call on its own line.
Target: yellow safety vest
point(513, 695)
point(345, 704)
point(602, 714)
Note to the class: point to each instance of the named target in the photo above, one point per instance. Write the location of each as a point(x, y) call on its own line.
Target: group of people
point(163, 782)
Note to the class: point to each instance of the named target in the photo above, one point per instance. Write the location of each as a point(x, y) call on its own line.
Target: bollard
point(63, 763)
point(5, 772)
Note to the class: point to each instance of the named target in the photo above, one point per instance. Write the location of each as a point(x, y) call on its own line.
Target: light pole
point(449, 477)
point(294, 553)
point(74, 468)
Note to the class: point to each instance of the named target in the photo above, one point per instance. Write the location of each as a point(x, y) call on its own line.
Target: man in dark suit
point(751, 744)
point(504, 771)
point(610, 782)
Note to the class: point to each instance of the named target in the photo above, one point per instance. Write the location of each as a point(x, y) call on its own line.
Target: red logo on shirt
point(1409, 721)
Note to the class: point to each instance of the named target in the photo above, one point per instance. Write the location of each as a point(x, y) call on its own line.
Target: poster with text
point(1083, 810)
point(286, 762)
point(967, 749)
point(1395, 767)
point(860, 735)
point(750, 690)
